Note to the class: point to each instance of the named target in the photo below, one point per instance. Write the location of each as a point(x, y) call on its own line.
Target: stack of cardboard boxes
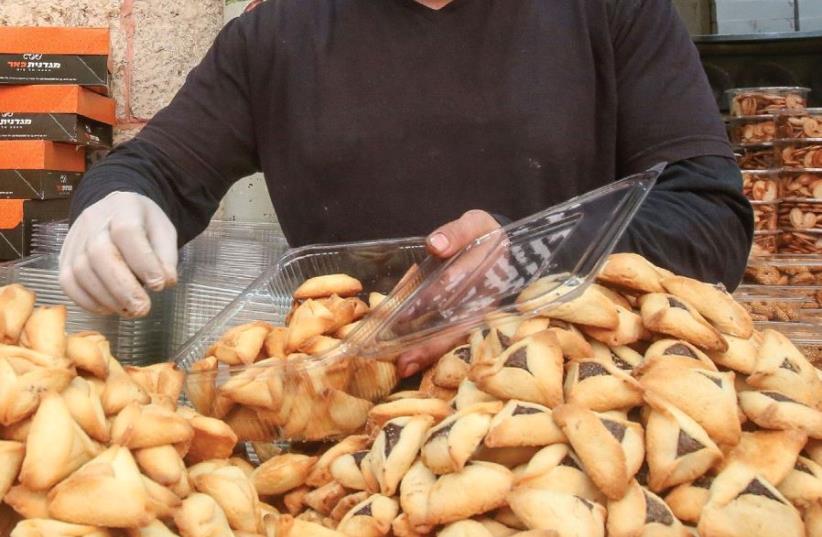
point(54, 107)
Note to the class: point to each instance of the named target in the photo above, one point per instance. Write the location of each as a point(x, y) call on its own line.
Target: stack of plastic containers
point(799, 153)
point(134, 341)
point(753, 131)
point(214, 269)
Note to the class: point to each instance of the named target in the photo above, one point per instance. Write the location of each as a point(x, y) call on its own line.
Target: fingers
point(74, 291)
point(419, 358)
point(453, 236)
point(163, 238)
point(130, 238)
point(107, 263)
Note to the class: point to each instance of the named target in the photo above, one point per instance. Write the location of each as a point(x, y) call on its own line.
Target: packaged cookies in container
point(801, 215)
point(752, 129)
point(765, 215)
point(765, 243)
point(800, 184)
point(800, 241)
point(807, 124)
point(761, 185)
point(756, 157)
point(766, 100)
point(785, 270)
point(799, 154)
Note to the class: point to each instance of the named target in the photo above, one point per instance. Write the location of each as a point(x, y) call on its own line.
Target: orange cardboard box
point(45, 55)
point(41, 155)
point(55, 40)
point(17, 219)
point(57, 99)
point(70, 114)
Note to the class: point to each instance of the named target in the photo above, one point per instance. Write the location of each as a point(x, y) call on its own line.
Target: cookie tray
point(561, 248)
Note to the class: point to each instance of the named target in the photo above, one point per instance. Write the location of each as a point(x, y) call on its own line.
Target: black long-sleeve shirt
point(375, 119)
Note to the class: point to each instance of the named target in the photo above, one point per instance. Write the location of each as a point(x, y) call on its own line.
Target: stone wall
point(155, 44)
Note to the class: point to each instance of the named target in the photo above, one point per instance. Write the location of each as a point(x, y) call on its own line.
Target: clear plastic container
point(800, 154)
point(807, 336)
point(800, 241)
point(752, 129)
point(801, 214)
point(765, 215)
point(801, 184)
point(134, 341)
point(766, 100)
point(807, 124)
point(756, 157)
point(765, 243)
point(761, 185)
point(555, 254)
point(785, 270)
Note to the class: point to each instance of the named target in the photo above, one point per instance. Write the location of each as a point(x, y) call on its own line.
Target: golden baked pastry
point(520, 424)
point(675, 317)
point(678, 449)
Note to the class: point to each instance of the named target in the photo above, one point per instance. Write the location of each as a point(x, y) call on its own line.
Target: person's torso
point(382, 118)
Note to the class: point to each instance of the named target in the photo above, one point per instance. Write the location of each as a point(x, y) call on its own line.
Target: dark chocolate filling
point(635, 414)
point(703, 482)
point(359, 456)
point(518, 359)
point(590, 369)
point(392, 436)
point(776, 396)
point(790, 366)
point(620, 363)
point(656, 511)
point(365, 510)
point(485, 332)
point(464, 354)
point(686, 444)
point(674, 303)
point(716, 381)
point(569, 461)
point(756, 488)
point(680, 349)
point(749, 427)
point(504, 340)
point(802, 467)
point(443, 431)
point(520, 410)
point(616, 429)
point(586, 503)
point(642, 475)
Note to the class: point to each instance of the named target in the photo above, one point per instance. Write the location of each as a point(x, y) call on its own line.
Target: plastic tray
point(756, 157)
point(766, 100)
point(562, 248)
point(799, 154)
point(761, 185)
point(801, 184)
point(752, 129)
point(806, 124)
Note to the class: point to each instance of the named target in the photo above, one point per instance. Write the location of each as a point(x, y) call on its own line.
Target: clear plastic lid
point(527, 267)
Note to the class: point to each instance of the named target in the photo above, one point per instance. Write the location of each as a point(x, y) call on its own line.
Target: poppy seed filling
point(590, 369)
point(518, 359)
point(392, 433)
point(680, 349)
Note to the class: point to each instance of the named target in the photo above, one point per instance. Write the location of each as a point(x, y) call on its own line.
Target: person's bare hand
point(444, 242)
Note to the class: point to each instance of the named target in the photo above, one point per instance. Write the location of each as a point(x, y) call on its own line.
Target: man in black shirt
point(385, 118)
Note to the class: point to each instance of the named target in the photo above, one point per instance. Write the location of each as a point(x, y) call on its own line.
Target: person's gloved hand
point(444, 243)
point(116, 246)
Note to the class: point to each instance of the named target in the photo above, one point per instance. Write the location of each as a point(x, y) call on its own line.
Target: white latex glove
point(116, 246)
